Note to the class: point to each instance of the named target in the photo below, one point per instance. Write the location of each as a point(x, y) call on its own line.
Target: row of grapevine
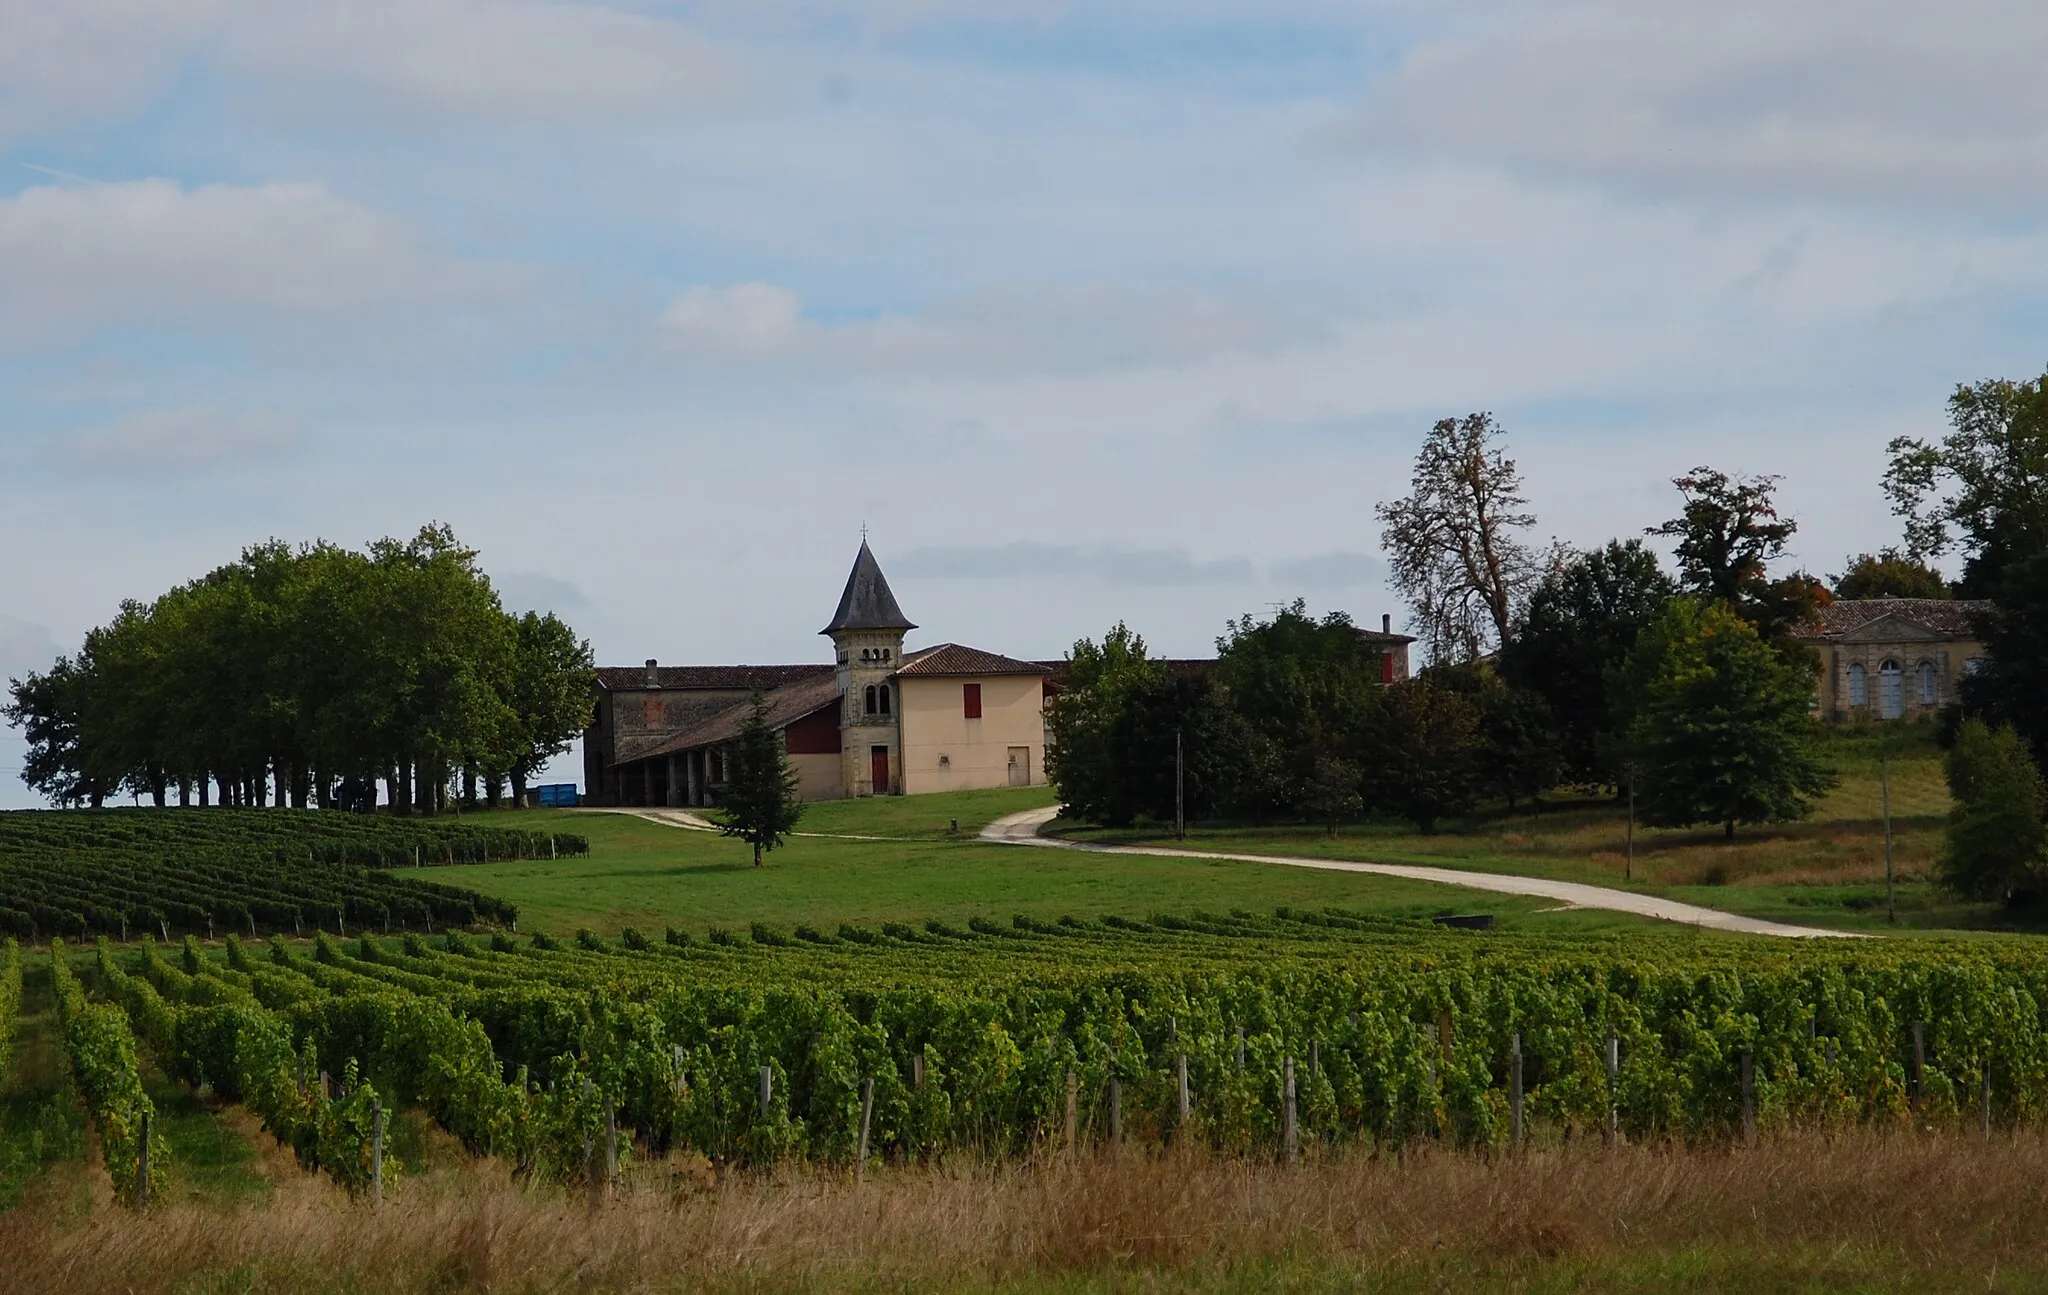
point(135, 873)
point(99, 1048)
point(10, 1001)
point(972, 1038)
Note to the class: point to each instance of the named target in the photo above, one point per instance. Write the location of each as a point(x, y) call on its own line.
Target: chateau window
point(1891, 690)
point(882, 696)
point(970, 700)
point(1859, 690)
point(869, 697)
point(1927, 685)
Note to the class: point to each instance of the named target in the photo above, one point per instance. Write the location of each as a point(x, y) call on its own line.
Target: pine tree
point(760, 804)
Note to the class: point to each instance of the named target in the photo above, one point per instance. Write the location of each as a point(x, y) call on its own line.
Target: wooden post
point(377, 1156)
point(1748, 1098)
point(1180, 1079)
point(867, 1114)
point(326, 1088)
point(1290, 1136)
point(1073, 1108)
point(1884, 783)
point(1919, 1063)
point(1116, 1111)
point(917, 1070)
point(1515, 1091)
point(1984, 1101)
point(142, 1163)
point(611, 1150)
point(1613, 1081)
point(767, 1089)
point(1314, 1062)
point(1240, 1047)
point(1628, 847)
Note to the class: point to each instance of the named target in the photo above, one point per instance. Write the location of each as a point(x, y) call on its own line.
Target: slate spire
point(867, 603)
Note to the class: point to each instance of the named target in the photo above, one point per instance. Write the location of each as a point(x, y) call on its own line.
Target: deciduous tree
point(1997, 845)
point(1888, 573)
point(1455, 542)
point(1983, 488)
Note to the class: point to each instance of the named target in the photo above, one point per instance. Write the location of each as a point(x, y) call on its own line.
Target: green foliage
point(10, 1001)
point(1997, 843)
point(1888, 574)
point(969, 1035)
point(1423, 752)
point(2007, 691)
point(130, 873)
point(99, 1048)
point(1984, 487)
point(760, 804)
point(318, 669)
point(1582, 623)
point(1720, 727)
point(1332, 796)
point(1083, 718)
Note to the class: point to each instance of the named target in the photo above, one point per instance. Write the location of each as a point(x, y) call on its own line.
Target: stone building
point(877, 721)
point(1893, 658)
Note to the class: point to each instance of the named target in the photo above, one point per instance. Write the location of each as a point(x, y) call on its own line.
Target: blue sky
point(1087, 311)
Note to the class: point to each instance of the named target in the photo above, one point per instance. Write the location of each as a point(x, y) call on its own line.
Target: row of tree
point(306, 676)
point(1690, 688)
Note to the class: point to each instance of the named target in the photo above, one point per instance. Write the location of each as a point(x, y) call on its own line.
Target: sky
point(1086, 311)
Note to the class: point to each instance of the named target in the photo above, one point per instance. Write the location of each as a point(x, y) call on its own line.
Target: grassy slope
point(650, 876)
point(1827, 870)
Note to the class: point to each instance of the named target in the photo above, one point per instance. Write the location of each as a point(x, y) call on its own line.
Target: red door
point(878, 769)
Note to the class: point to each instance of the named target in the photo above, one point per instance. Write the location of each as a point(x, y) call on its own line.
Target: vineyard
point(126, 873)
point(1283, 1035)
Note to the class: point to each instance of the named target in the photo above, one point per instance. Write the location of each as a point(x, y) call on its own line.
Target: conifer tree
point(760, 803)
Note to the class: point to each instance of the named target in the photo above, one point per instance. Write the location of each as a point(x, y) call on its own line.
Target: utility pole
point(1628, 847)
point(1180, 802)
point(1884, 784)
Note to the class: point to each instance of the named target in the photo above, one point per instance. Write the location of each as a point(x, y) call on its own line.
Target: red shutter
point(970, 697)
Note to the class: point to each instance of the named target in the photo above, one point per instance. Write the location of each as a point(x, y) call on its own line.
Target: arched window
point(869, 709)
point(1859, 691)
point(1891, 690)
point(1928, 688)
point(882, 695)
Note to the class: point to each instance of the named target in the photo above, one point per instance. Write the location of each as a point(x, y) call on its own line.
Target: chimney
point(653, 675)
point(1386, 626)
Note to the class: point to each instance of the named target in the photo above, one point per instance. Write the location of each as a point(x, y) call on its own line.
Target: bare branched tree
point(1456, 544)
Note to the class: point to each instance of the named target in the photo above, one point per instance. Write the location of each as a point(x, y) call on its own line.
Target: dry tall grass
point(1885, 1210)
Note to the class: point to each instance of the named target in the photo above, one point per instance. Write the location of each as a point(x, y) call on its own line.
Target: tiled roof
point(786, 705)
point(867, 603)
point(634, 678)
point(954, 659)
point(1383, 636)
point(1949, 618)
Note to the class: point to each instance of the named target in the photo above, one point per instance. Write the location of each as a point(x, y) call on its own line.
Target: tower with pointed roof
point(867, 638)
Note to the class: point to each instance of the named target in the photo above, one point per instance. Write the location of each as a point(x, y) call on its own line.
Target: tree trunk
point(157, 787)
point(757, 854)
point(424, 787)
point(397, 790)
point(1728, 830)
point(494, 789)
point(227, 791)
point(205, 791)
point(184, 792)
point(518, 790)
point(469, 786)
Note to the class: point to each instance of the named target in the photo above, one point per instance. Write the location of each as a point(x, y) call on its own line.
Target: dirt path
point(1023, 829)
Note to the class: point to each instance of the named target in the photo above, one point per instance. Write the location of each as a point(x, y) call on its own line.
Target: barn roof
point(786, 705)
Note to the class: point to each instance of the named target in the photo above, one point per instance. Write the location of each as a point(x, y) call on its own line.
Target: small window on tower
point(882, 695)
point(869, 697)
point(970, 700)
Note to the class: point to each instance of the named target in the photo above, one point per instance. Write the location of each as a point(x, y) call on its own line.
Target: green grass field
point(1827, 870)
point(647, 875)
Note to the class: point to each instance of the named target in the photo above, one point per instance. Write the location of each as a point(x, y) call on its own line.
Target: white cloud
point(484, 59)
point(1837, 99)
point(24, 647)
point(63, 62)
point(170, 441)
point(999, 331)
point(151, 251)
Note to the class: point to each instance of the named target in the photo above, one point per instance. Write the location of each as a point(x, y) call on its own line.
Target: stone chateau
point(877, 721)
point(1893, 658)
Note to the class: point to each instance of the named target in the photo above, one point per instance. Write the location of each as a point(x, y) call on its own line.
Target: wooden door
point(878, 769)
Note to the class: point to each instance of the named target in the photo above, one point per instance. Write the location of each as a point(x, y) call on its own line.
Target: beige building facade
point(1893, 658)
point(877, 721)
